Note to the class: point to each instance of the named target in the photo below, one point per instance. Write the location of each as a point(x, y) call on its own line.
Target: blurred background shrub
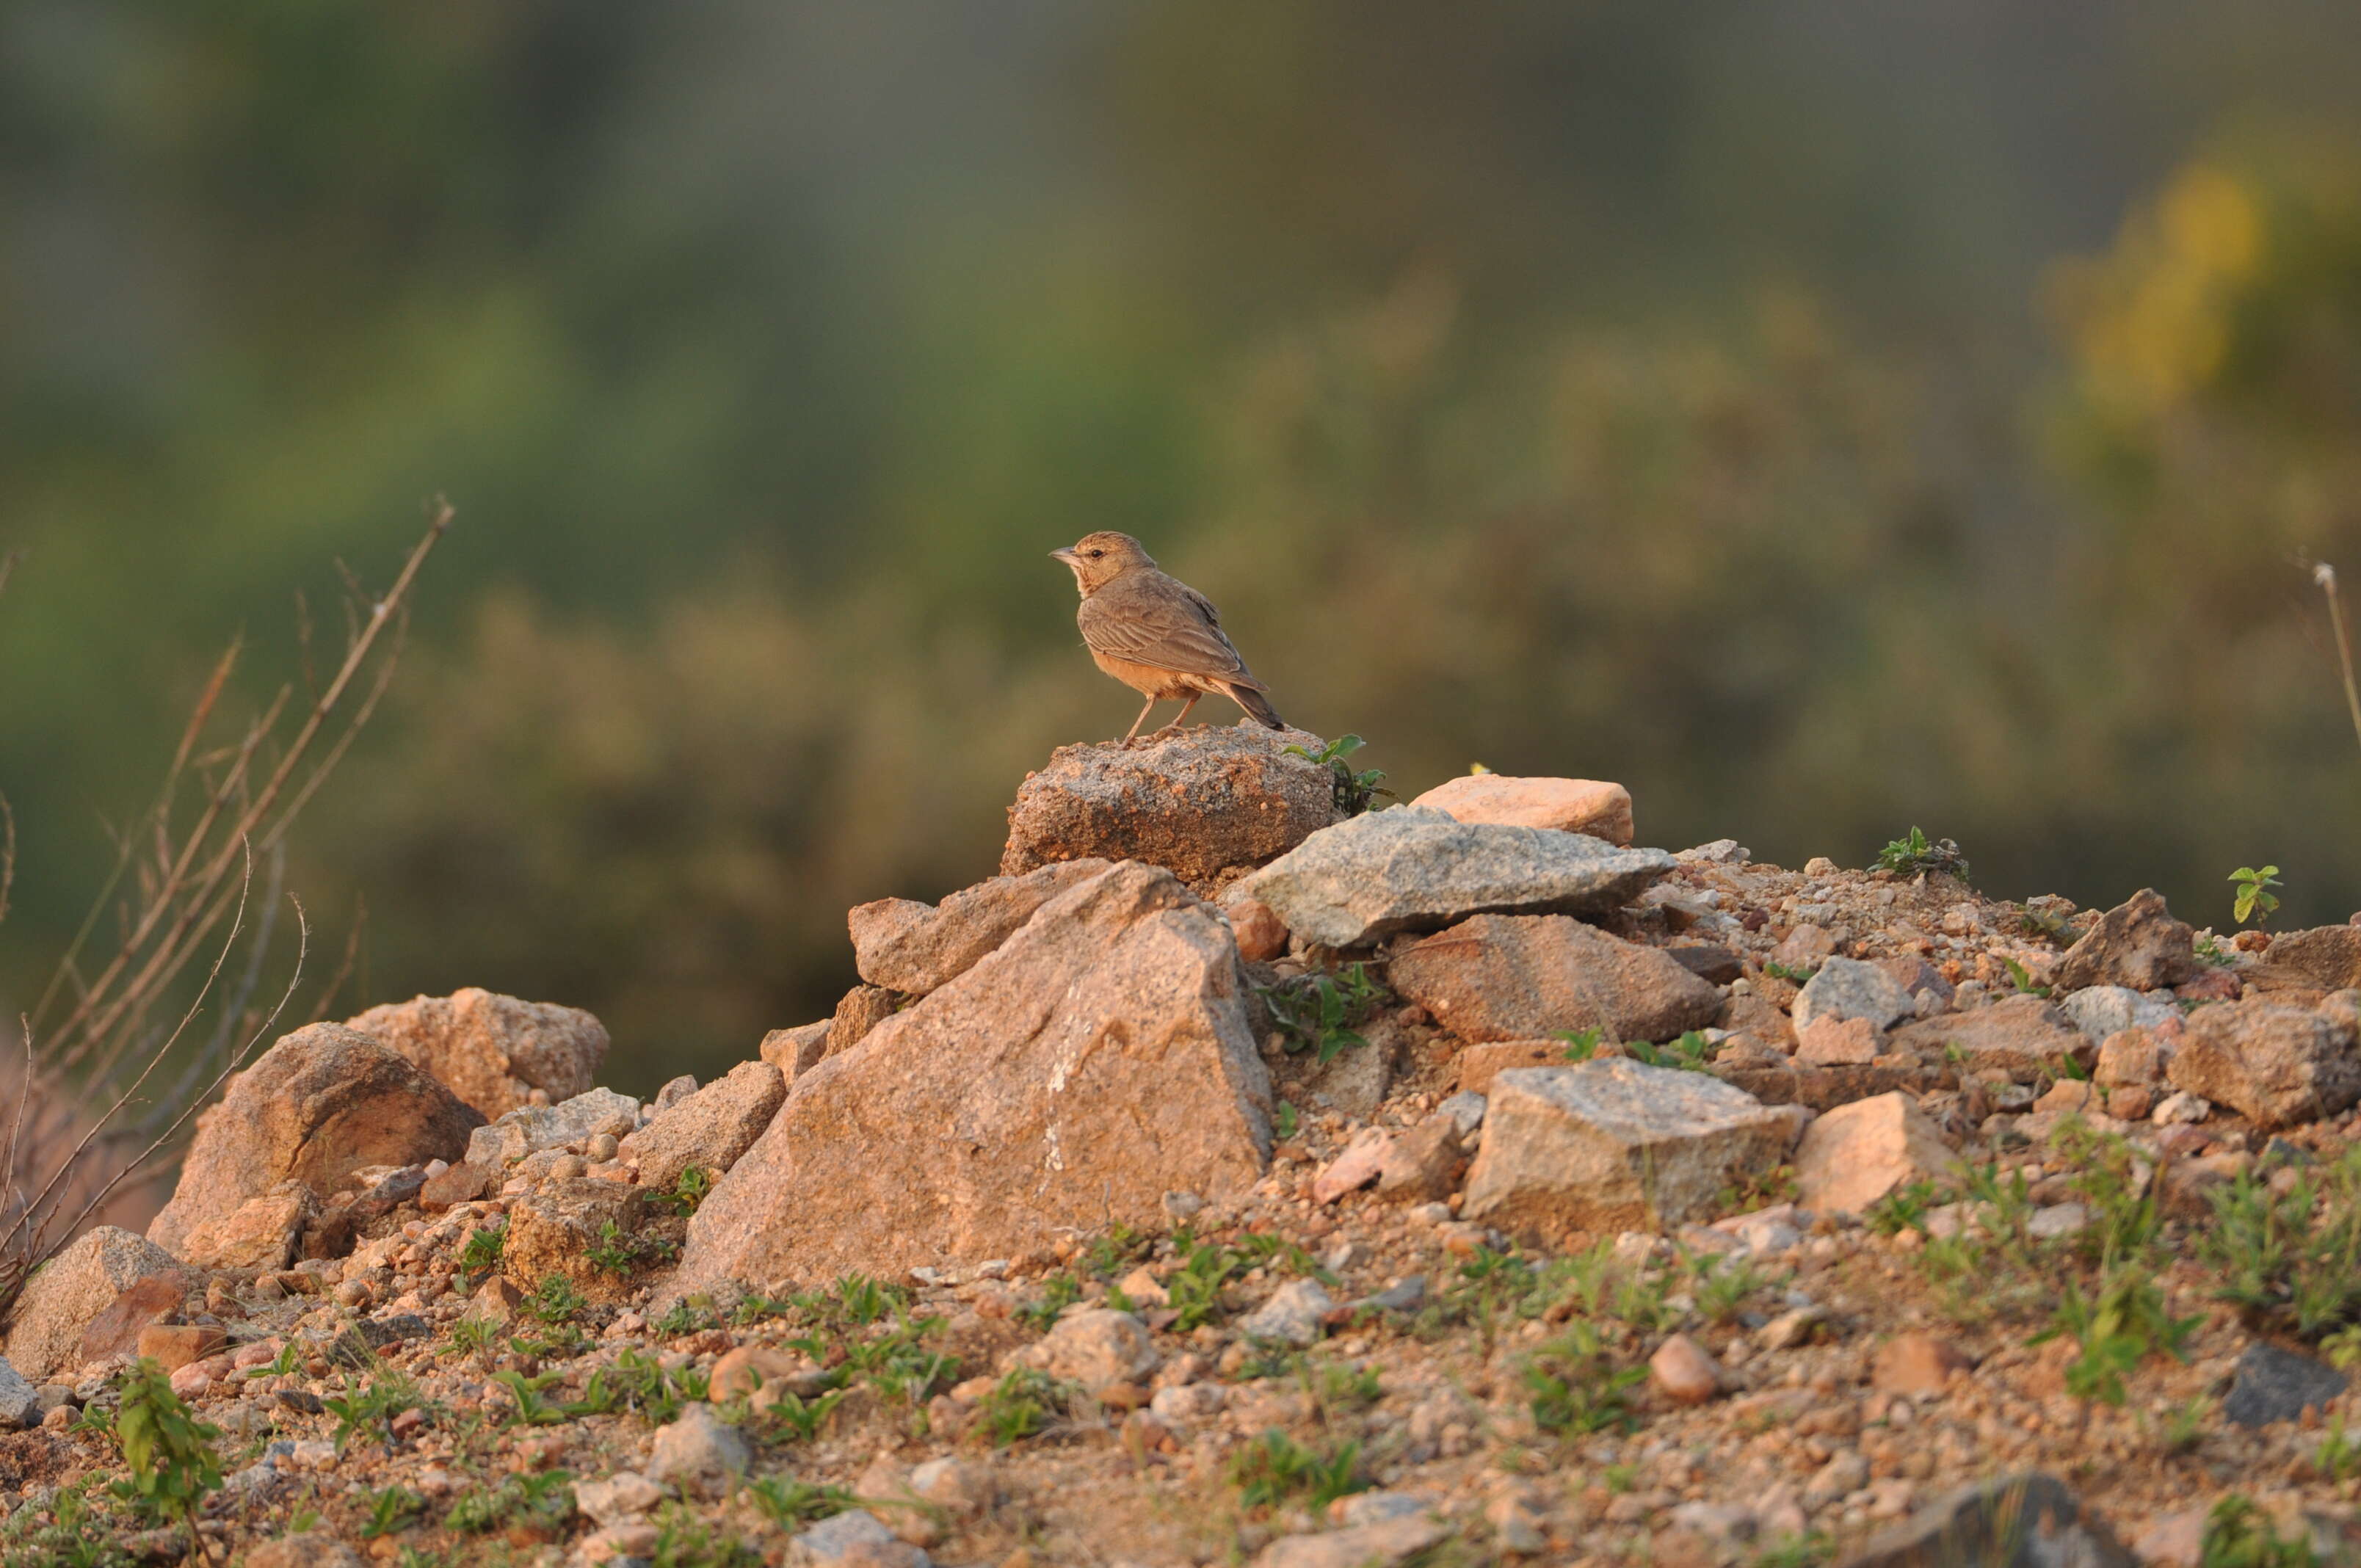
point(1822, 418)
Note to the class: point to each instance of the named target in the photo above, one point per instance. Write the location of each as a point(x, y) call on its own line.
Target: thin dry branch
point(172, 924)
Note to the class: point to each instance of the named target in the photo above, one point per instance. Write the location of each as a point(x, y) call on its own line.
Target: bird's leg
point(1183, 714)
point(1137, 722)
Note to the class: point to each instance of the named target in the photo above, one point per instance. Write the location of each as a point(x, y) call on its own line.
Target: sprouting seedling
point(2256, 903)
point(1354, 791)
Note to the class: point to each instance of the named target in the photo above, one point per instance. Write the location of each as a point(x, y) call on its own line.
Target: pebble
point(1684, 1372)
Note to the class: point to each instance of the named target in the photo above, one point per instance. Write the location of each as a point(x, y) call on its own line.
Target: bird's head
point(1098, 559)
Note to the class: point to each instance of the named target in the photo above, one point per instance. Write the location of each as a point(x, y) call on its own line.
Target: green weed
point(2240, 1535)
point(481, 1254)
point(2292, 1258)
point(1354, 791)
point(1910, 855)
point(169, 1453)
point(2255, 902)
point(1575, 1388)
point(1315, 1012)
point(1275, 1469)
point(1021, 1405)
point(390, 1512)
point(791, 1504)
point(1581, 1044)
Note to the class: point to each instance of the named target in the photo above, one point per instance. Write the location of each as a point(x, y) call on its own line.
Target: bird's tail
point(1259, 706)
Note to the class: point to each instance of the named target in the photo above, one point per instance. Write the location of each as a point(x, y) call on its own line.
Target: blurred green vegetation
point(1820, 418)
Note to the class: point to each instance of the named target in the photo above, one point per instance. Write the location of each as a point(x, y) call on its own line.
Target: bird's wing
point(1166, 624)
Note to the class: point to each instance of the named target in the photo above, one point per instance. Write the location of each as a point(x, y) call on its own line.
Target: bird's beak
point(1068, 556)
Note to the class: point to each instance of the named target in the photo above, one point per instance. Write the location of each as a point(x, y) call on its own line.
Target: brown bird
point(1156, 634)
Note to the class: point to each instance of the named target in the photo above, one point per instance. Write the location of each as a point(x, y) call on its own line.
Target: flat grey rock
point(1412, 868)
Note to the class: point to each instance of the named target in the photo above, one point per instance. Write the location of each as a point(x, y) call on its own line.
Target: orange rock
point(1261, 936)
point(1480, 1064)
point(1684, 1372)
point(174, 1345)
point(1593, 806)
point(1916, 1364)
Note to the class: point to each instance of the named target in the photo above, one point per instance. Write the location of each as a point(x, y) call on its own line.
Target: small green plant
point(685, 1540)
point(2116, 1330)
point(1581, 1044)
point(1795, 974)
point(531, 1409)
point(1354, 791)
point(2186, 1424)
point(791, 1504)
point(686, 1317)
point(619, 1254)
point(2291, 1257)
point(2022, 978)
point(641, 1384)
point(1688, 1053)
point(2338, 1457)
point(1806, 1550)
point(1059, 1291)
point(1020, 1405)
point(1194, 1290)
point(2255, 903)
point(790, 1418)
point(481, 1254)
point(544, 1500)
point(557, 1301)
point(1275, 1469)
point(1575, 1388)
point(1285, 1121)
point(1315, 1012)
point(473, 1337)
point(2210, 948)
point(370, 1410)
point(2240, 1535)
point(1904, 1208)
point(391, 1511)
point(1722, 1291)
point(1913, 854)
point(169, 1453)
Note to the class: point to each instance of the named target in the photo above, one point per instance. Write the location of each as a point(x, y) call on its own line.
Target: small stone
point(2020, 1521)
point(1836, 1042)
point(618, 1499)
point(1353, 1168)
point(533, 1128)
point(1098, 1348)
point(192, 1380)
point(675, 1090)
point(1262, 936)
point(2023, 1036)
point(116, 1332)
point(2137, 945)
point(2274, 1384)
point(1856, 1153)
point(1806, 947)
point(1510, 977)
point(2131, 1057)
point(1683, 1372)
point(2326, 957)
point(454, 1185)
point(1918, 1364)
point(601, 1147)
point(2180, 1108)
point(798, 1051)
point(1292, 1315)
point(2176, 1539)
point(698, 1452)
point(1614, 1143)
point(1850, 989)
point(2106, 1010)
point(709, 1129)
point(961, 1486)
point(1466, 1112)
point(554, 1229)
point(1423, 1165)
point(312, 1549)
point(1482, 1061)
point(1363, 1546)
point(174, 1345)
point(2131, 1102)
point(20, 1403)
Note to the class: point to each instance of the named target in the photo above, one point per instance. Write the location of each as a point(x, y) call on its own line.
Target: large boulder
point(912, 948)
point(322, 1103)
point(1205, 803)
point(2276, 1066)
point(1099, 1060)
point(493, 1051)
point(1521, 977)
point(70, 1291)
point(711, 1128)
point(1614, 1145)
point(1593, 806)
point(2137, 944)
point(2023, 1036)
point(1413, 869)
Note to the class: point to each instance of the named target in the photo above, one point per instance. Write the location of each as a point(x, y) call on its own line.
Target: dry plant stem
point(105, 1003)
point(7, 853)
point(9, 1241)
point(2325, 575)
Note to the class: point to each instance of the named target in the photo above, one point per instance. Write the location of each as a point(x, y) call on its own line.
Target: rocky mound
point(1465, 1187)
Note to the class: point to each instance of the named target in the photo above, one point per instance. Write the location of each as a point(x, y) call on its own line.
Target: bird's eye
point(1093, 555)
